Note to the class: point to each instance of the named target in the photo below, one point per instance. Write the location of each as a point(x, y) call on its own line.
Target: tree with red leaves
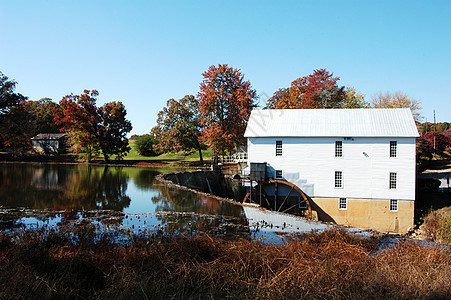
point(94, 128)
point(424, 148)
point(319, 90)
point(225, 102)
point(442, 141)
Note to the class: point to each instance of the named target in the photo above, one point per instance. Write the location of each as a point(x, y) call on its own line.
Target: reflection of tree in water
point(173, 199)
point(95, 188)
point(192, 223)
point(63, 187)
point(16, 185)
point(176, 200)
point(144, 179)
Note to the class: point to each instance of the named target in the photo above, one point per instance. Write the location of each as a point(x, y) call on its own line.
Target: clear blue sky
point(145, 52)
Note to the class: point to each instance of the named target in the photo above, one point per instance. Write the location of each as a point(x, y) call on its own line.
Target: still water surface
point(73, 190)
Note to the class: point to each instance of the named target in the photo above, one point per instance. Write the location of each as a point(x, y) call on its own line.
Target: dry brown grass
point(330, 265)
point(437, 226)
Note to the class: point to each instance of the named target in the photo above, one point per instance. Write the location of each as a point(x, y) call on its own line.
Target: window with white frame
point(393, 149)
point(338, 179)
point(393, 179)
point(343, 204)
point(278, 148)
point(338, 149)
point(279, 174)
point(393, 205)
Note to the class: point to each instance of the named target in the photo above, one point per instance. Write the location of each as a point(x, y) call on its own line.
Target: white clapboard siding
point(365, 164)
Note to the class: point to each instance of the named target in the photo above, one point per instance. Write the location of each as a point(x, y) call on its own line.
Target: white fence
point(235, 158)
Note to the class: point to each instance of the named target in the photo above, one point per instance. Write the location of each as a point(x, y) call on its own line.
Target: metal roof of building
point(48, 136)
point(371, 122)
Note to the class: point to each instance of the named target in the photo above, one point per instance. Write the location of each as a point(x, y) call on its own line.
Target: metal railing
point(234, 158)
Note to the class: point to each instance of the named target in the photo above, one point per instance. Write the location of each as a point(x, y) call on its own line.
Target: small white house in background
point(357, 165)
point(49, 143)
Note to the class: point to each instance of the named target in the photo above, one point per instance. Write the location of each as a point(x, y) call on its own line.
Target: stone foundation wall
point(367, 213)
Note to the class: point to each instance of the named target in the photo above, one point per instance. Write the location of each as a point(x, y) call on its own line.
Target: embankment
point(212, 183)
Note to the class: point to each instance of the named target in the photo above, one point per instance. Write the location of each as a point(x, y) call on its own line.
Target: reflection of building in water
point(47, 179)
point(356, 165)
point(277, 222)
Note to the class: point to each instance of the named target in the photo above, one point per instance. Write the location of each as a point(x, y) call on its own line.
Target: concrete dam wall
point(210, 182)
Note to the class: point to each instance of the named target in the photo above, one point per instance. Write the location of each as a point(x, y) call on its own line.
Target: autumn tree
point(397, 100)
point(225, 102)
point(439, 141)
point(443, 126)
point(354, 99)
point(318, 90)
point(179, 126)
point(42, 111)
point(424, 148)
point(95, 128)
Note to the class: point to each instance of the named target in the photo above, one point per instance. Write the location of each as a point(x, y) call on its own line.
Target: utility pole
point(435, 130)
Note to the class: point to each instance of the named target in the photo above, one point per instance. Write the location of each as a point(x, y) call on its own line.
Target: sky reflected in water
point(68, 195)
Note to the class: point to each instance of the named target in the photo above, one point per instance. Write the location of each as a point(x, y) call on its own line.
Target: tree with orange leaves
point(398, 100)
point(94, 128)
point(225, 102)
point(319, 90)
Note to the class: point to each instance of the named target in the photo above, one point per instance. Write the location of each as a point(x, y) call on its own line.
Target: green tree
point(12, 128)
point(17, 130)
point(95, 128)
point(179, 126)
point(42, 110)
point(225, 102)
point(145, 143)
point(8, 97)
point(443, 126)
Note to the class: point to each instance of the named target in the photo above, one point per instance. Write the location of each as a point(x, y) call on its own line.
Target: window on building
point(343, 204)
point(393, 176)
point(393, 149)
point(279, 174)
point(338, 179)
point(338, 149)
point(393, 205)
point(278, 148)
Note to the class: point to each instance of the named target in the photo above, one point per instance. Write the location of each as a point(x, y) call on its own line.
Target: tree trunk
point(200, 155)
point(106, 157)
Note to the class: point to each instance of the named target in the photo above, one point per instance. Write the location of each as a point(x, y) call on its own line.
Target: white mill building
point(356, 165)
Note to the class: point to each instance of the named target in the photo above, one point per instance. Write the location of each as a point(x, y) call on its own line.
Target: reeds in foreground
point(330, 265)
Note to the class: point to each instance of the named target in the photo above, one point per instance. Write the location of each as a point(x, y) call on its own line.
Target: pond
point(34, 194)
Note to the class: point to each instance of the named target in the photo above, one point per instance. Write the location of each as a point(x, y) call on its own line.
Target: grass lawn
point(169, 158)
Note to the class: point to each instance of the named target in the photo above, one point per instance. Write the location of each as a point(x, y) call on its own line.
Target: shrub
point(144, 145)
point(437, 227)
